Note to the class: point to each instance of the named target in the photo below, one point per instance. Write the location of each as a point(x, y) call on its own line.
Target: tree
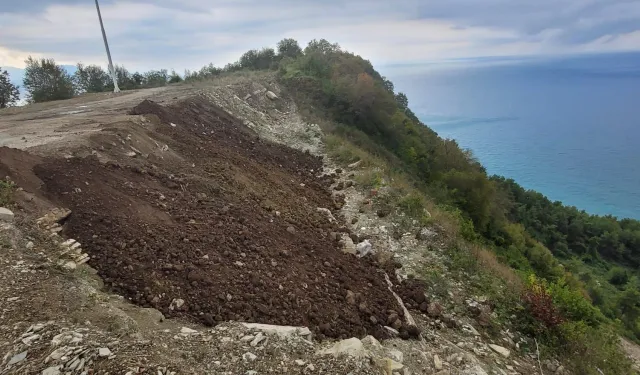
point(125, 80)
point(322, 46)
point(45, 80)
point(260, 60)
point(174, 77)
point(388, 85)
point(9, 93)
point(289, 47)
point(91, 78)
point(402, 100)
point(156, 78)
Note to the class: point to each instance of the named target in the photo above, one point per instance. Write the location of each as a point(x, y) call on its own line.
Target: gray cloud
point(189, 33)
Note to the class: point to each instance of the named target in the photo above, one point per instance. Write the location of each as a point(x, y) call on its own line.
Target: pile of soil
point(232, 229)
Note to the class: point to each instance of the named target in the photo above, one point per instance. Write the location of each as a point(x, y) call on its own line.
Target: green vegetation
point(567, 276)
point(9, 93)
point(6, 193)
point(534, 257)
point(44, 80)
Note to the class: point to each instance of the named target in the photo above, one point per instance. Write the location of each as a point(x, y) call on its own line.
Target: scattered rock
point(347, 244)
point(475, 370)
point(434, 310)
point(176, 304)
point(259, 337)
point(282, 331)
point(104, 352)
point(500, 350)
point(355, 165)
point(327, 212)
point(300, 362)
point(364, 248)
point(17, 358)
point(351, 298)
point(6, 215)
point(271, 95)
point(248, 356)
point(29, 245)
point(55, 370)
point(437, 362)
point(425, 233)
point(187, 331)
point(291, 229)
point(352, 347)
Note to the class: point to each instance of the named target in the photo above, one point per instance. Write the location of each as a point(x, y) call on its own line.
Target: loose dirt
point(231, 228)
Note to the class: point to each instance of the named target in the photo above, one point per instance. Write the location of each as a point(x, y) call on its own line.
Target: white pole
point(106, 46)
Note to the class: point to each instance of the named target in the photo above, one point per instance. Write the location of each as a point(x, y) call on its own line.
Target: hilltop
point(289, 188)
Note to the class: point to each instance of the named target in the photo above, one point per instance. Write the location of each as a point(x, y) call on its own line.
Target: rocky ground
point(170, 231)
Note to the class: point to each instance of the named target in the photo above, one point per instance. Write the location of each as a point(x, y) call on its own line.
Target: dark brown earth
point(231, 227)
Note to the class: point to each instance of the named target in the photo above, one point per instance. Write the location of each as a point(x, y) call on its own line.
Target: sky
point(187, 34)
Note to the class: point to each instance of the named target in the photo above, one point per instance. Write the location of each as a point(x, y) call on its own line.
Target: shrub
point(539, 302)
point(6, 193)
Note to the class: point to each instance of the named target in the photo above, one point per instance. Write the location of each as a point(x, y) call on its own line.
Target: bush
point(6, 193)
point(540, 304)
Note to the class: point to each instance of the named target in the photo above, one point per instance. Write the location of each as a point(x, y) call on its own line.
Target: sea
point(568, 127)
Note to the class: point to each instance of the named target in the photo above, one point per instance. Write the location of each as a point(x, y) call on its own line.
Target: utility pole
point(106, 46)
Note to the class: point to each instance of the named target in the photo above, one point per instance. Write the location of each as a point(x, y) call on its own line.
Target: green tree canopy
point(9, 93)
point(45, 80)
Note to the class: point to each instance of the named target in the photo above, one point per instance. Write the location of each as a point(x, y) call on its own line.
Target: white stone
point(396, 355)
point(282, 331)
point(500, 350)
point(371, 342)
point(364, 248)
point(6, 215)
point(259, 337)
point(248, 356)
point(187, 331)
point(104, 352)
point(51, 371)
point(300, 362)
point(29, 245)
point(475, 370)
point(437, 362)
point(355, 165)
point(271, 95)
point(352, 347)
point(17, 358)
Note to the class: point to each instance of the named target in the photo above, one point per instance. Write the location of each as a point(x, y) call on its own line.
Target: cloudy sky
point(179, 34)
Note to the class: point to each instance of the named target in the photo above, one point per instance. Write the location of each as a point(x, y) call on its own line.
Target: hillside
point(291, 188)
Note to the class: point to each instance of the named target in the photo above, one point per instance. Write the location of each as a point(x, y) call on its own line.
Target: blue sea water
point(568, 128)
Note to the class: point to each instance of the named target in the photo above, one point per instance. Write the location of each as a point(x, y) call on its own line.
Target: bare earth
point(189, 221)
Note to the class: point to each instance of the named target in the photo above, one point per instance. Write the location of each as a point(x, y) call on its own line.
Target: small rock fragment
point(17, 358)
point(500, 350)
point(300, 362)
point(437, 362)
point(188, 331)
point(248, 356)
point(6, 215)
point(104, 352)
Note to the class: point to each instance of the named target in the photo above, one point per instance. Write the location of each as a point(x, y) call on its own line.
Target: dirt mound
point(229, 232)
